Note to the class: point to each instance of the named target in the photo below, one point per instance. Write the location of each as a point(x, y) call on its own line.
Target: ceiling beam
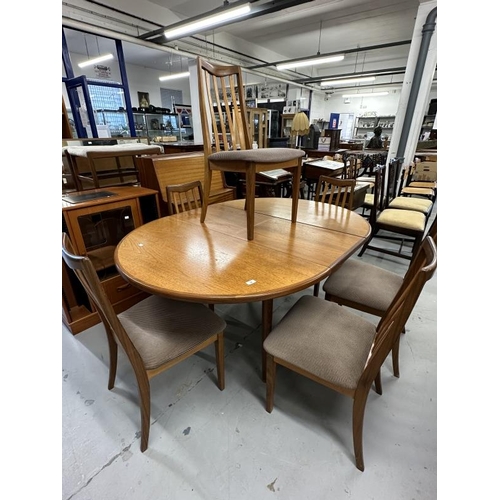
point(382, 72)
point(339, 52)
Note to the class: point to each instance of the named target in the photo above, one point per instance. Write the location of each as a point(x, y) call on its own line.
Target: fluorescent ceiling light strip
point(373, 94)
point(309, 62)
point(96, 60)
point(328, 83)
point(174, 76)
point(208, 22)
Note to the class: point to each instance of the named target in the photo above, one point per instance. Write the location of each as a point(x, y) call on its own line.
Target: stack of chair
point(396, 224)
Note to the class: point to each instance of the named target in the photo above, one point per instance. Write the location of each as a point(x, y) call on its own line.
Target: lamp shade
point(300, 124)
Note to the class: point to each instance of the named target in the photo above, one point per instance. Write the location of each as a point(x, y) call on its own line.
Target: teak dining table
point(213, 262)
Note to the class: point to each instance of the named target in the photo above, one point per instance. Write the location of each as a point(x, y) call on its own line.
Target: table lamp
point(300, 126)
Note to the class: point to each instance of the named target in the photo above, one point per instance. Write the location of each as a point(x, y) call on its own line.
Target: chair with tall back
point(186, 196)
point(371, 289)
point(156, 333)
point(226, 138)
point(338, 348)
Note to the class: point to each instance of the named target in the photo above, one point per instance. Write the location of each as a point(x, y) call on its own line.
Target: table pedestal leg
point(267, 324)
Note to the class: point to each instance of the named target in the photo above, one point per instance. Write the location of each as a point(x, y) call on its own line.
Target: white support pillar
point(425, 86)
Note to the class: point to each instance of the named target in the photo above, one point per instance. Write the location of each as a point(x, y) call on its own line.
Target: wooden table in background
point(314, 168)
point(215, 263)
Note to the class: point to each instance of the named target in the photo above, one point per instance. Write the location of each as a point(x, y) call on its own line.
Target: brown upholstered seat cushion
point(363, 283)
point(405, 203)
point(407, 219)
point(163, 329)
point(326, 339)
point(267, 155)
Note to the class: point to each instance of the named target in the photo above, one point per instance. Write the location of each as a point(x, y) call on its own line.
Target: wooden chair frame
point(335, 191)
point(388, 331)
point(183, 197)
point(222, 106)
point(115, 332)
point(359, 306)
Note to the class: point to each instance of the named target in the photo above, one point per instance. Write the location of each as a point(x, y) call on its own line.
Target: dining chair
point(421, 205)
point(156, 333)
point(339, 349)
point(335, 191)
point(371, 289)
point(183, 197)
point(226, 138)
point(395, 224)
point(409, 187)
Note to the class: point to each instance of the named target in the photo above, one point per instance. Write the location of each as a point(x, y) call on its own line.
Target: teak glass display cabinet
point(257, 125)
point(96, 221)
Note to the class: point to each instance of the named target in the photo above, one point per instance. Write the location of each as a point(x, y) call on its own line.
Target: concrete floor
point(213, 445)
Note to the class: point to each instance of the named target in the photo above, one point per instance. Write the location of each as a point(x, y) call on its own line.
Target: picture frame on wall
point(250, 92)
point(272, 90)
point(143, 98)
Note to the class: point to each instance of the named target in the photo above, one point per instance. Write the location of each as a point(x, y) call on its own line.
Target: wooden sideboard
point(96, 220)
point(179, 147)
point(158, 171)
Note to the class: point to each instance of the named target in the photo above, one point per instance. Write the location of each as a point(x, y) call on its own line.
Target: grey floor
point(211, 445)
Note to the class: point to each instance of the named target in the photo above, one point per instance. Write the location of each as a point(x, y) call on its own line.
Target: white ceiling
point(300, 31)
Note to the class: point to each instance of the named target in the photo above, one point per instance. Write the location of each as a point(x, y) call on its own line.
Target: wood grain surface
point(179, 257)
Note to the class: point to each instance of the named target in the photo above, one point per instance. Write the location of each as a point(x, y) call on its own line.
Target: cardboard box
point(425, 171)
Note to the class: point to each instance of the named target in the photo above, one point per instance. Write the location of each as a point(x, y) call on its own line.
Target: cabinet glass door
point(101, 232)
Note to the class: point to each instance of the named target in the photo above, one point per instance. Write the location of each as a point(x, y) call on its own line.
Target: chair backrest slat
point(223, 110)
point(378, 193)
point(338, 192)
point(184, 197)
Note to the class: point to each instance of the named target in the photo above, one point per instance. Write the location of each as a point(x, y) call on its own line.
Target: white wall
point(382, 105)
point(140, 79)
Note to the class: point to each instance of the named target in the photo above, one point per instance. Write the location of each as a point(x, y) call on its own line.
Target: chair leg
point(378, 383)
point(250, 203)
point(270, 383)
point(295, 190)
point(206, 193)
point(358, 414)
point(316, 290)
point(395, 357)
point(113, 361)
point(416, 244)
point(211, 307)
point(145, 401)
point(365, 246)
point(219, 360)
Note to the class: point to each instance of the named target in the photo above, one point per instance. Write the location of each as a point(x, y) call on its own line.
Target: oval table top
point(179, 257)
